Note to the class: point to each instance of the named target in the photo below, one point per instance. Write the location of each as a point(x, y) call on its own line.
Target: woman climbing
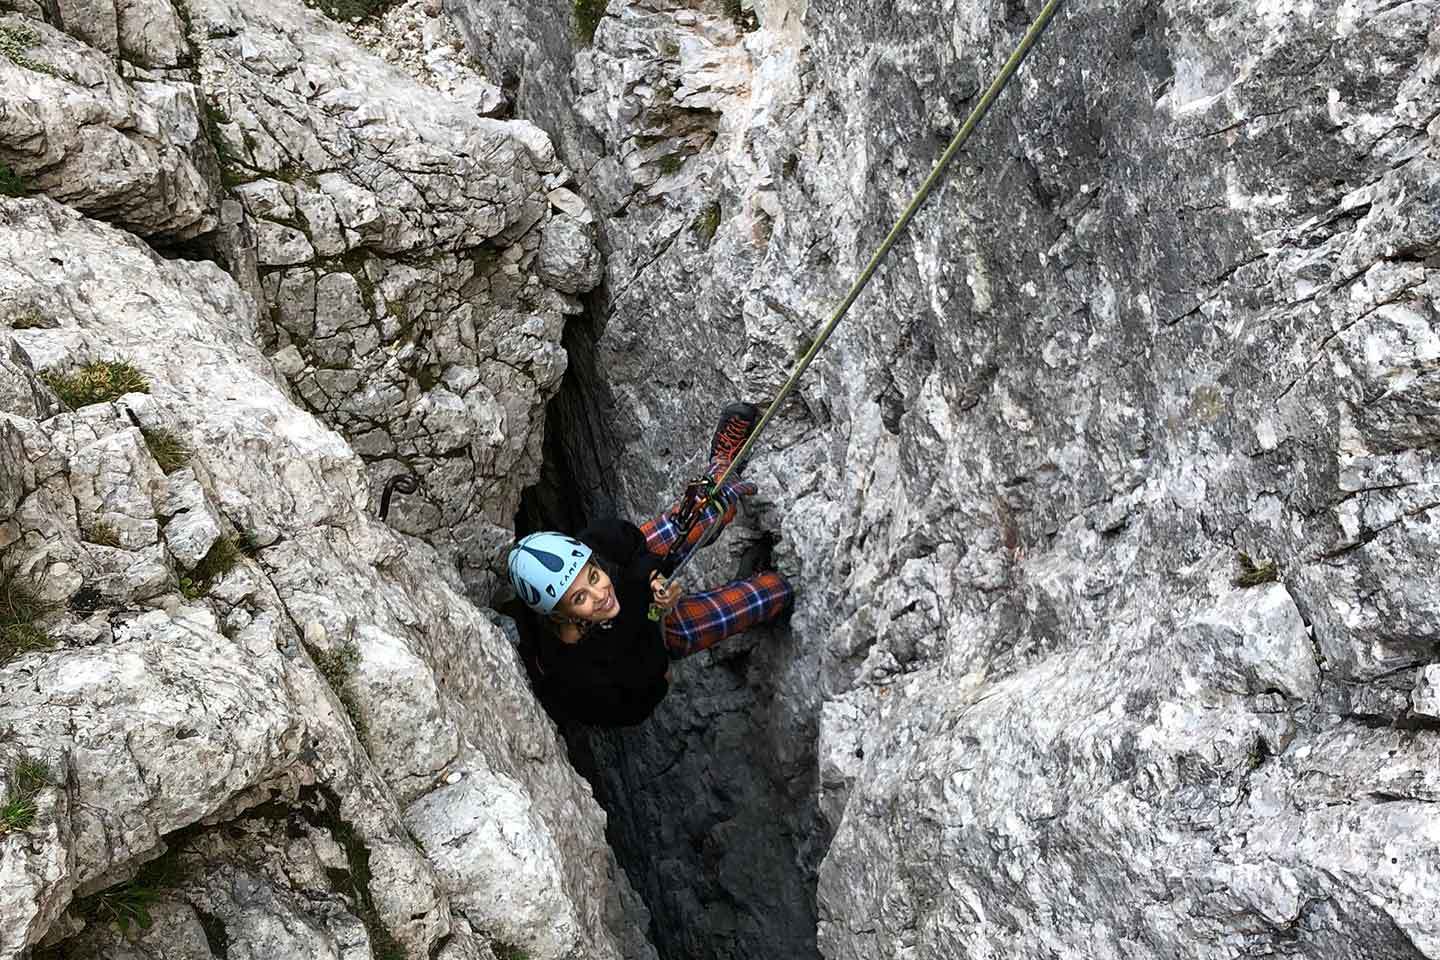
point(604, 653)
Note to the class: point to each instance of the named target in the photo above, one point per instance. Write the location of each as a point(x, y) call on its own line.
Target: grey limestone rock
point(129, 151)
point(417, 279)
point(299, 699)
point(1175, 302)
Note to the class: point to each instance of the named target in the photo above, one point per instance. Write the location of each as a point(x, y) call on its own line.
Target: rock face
point(1174, 305)
point(1112, 505)
point(416, 273)
point(241, 716)
point(178, 695)
point(124, 147)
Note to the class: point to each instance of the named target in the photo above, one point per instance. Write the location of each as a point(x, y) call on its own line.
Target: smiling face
point(591, 596)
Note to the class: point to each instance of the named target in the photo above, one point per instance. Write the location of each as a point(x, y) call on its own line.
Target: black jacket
point(613, 677)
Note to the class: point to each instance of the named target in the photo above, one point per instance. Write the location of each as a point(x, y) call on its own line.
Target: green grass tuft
point(103, 534)
point(1253, 574)
point(337, 667)
point(32, 775)
point(21, 609)
point(97, 382)
point(124, 904)
point(25, 321)
point(588, 14)
point(505, 951)
point(220, 560)
point(28, 777)
point(169, 451)
point(17, 813)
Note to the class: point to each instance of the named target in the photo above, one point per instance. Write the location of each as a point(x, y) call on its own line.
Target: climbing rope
point(976, 115)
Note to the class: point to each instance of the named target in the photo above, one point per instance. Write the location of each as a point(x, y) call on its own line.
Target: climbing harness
point(976, 115)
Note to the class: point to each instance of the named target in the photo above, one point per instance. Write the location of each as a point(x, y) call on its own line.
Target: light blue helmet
point(542, 567)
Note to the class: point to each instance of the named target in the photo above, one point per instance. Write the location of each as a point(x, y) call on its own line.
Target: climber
point(604, 658)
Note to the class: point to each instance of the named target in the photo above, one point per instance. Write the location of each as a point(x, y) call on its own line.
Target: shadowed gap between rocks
point(710, 802)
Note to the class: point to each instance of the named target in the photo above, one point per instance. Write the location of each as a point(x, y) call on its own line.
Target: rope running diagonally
point(931, 182)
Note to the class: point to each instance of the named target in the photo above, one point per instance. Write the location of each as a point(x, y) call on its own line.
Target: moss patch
point(21, 609)
point(169, 451)
point(12, 185)
point(15, 40)
point(97, 382)
point(706, 223)
point(588, 14)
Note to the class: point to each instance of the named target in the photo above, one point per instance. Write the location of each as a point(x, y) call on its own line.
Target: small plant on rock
point(169, 451)
point(103, 534)
point(220, 560)
point(25, 321)
point(12, 185)
point(17, 813)
point(348, 11)
point(97, 382)
point(505, 951)
point(125, 904)
point(247, 543)
point(337, 667)
point(1253, 574)
point(21, 609)
point(707, 224)
point(588, 14)
point(28, 777)
point(130, 902)
point(15, 40)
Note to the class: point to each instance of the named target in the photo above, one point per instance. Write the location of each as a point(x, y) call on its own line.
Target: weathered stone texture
point(405, 245)
point(181, 701)
point(1174, 303)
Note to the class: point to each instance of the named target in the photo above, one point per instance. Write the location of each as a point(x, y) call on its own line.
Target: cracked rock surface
point(417, 273)
point(1174, 304)
point(258, 742)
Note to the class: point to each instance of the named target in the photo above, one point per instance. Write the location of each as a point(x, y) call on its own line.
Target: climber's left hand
point(664, 593)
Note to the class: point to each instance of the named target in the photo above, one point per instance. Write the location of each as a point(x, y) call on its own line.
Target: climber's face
point(591, 596)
